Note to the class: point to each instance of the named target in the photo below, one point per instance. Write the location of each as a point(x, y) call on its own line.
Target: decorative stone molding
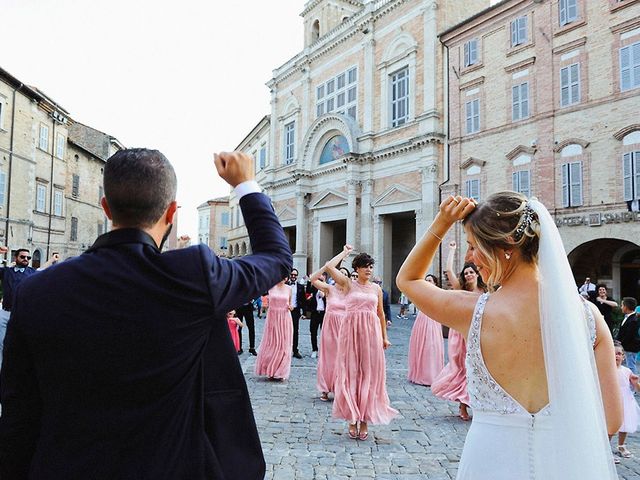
point(395, 194)
point(519, 150)
point(570, 141)
point(286, 213)
point(519, 65)
point(329, 198)
point(401, 46)
point(620, 134)
point(472, 83)
point(567, 47)
point(469, 162)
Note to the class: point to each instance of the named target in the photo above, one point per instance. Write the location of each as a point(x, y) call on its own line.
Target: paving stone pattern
point(302, 442)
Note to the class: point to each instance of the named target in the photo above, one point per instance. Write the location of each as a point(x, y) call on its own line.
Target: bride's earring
point(507, 255)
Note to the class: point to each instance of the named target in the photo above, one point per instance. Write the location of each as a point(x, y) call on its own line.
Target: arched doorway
point(611, 261)
point(36, 261)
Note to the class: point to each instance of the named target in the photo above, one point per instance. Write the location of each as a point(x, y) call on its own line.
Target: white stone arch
point(243, 249)
point(401, 46)
point(321, 130)
point(291, 107)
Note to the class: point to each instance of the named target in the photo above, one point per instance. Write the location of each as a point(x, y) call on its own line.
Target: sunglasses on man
point(22, 257)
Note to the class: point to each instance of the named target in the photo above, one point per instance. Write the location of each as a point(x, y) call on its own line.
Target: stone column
point(368, 77)
point(352, 189)
point(300, 255)
point(429, 191)
point(366, 217)
point(273, 124)
point(430, 59)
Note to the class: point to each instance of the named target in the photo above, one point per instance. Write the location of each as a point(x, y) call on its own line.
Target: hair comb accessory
point(525, 222)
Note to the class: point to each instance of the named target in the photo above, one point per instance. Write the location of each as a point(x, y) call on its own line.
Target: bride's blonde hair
point(504, 221)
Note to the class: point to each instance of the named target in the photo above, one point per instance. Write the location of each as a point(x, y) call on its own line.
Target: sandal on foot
point(353, 431)
point(363, 435)
point(324, 397)
point(623, 452)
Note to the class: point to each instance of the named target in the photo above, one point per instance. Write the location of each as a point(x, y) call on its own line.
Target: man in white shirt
point(587, 289)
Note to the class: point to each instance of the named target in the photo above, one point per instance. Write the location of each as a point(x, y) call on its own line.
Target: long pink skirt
point(274, 354)
point(329, 351)
point(451, 384)
point(360, 390)
point(426, 350)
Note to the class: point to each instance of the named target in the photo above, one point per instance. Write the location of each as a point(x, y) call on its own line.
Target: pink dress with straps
point(426, 350)
point(330, 338)
point(360, 390)
point(451, 384)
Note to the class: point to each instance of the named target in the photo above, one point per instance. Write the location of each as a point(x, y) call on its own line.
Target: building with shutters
point(544, 99)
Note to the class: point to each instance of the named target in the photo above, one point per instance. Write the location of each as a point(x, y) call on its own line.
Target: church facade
point(353, 149)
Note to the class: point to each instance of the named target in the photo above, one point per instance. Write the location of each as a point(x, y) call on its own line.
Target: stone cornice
point(520, 149)
point(570, 141)
point(314, 3)
point(521, 64)
point(620, 134)
point(472, 161)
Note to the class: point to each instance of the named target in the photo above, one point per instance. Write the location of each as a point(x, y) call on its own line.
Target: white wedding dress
point(505, 441)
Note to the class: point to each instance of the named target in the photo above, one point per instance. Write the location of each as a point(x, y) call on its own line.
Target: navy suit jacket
point(628, 334)
point(118, 364)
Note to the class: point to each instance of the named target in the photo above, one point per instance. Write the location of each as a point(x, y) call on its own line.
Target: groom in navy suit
point(118, 364)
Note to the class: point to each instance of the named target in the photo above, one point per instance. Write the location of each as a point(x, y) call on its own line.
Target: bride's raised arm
point(453, 308)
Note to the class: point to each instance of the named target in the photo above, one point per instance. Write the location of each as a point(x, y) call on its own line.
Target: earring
point(507, 255)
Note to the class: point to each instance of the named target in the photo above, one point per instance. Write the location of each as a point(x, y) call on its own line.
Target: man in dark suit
point(628, 334)
point(119, 363)
point(299, 302)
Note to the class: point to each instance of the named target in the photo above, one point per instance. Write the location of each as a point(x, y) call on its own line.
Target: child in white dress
point(628, 383)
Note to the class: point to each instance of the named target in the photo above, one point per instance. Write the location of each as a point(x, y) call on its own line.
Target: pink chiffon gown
point(451, 384)
point(274, 354)
point(329, 339)
point(233, 330)
point(426, 351)
point(360, 390)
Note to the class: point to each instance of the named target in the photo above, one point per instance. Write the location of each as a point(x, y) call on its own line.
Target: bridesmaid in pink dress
point(274, 354)
point(333, 317)
point(426, 347)
point(360, 390)
point(451, 384)
point(234, 323)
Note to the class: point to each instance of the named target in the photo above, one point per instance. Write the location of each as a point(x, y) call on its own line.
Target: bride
point(538, 356)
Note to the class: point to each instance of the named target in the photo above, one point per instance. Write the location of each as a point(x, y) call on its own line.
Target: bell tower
point(321, 16)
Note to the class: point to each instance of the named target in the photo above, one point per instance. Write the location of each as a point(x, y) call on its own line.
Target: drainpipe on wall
point(53, 151)
point(11, 142)
point(447, 146)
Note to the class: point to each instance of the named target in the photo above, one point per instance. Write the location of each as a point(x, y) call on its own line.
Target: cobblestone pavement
point(302, 442)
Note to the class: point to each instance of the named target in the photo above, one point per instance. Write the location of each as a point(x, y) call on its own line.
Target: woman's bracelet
point(434, 234)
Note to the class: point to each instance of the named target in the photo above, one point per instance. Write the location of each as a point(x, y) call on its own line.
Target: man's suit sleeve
point(21, 404)
point(235, 282)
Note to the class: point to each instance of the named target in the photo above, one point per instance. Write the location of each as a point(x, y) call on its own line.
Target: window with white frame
point(262, 159)
point(521, 182)
point(631, 175)
point(224, 219)
point(74, 229)
point(520, 101)
point(630, 66)
point(400, 97)
point(471, 52)
point(223, 243)
point(472, 110)
point(57, 202)
point(60, 145)
point(100, 193)
point(568, 11)
point(41, 197)
point(43, 142)
point(519, 31)
point(2, 100)
point(472, 189)
point(3, 187)
point(339, 94)
point(570, 85)
point(289, 142)
point(572, 184)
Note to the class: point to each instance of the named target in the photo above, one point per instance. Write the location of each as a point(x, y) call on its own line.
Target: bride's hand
point(456, 208)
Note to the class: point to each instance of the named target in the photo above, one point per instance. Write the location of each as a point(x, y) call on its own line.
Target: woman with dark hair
point(274, 354)
point(540, 361)
point(426, 349)
point(605, 305)
point(335, 296)
point(360, 390)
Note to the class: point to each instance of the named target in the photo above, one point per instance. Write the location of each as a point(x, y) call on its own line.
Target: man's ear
point(171, 212)
point(105, 207)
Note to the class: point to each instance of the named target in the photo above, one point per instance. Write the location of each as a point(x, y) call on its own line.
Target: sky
point(186, 78)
